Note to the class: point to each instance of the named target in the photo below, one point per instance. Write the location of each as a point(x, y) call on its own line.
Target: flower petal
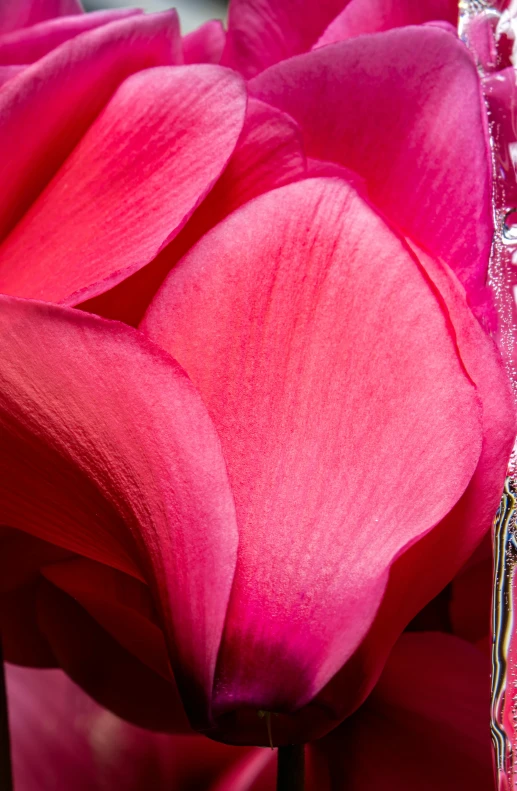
point(373, 16)
point(335, 393)
point(263, 32)
point(414, 93)
point(23, 13)
point(121, 604)
point(129, 186)
point(206, 44)
point(112, 675)
point(28, 44)
point(62, 740)
point(269, 153)
point(107, 450)
point(425, 723)
point(59, 96)
point(450, 545)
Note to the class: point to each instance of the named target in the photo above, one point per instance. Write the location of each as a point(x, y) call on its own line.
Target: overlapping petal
point(59, 96)
point(373, 16)
point(414, 95)
point(424, 725)
point(263, 32)
point(28, 44)
point(129, 186)
point(108, 451)
point(23, 13)
point(62, 740)
point(269, 154)
point(335, 392)
point(444, 551)
point(206, 44)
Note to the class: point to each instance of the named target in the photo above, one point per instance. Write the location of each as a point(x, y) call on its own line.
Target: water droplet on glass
point(495, 22)
point(510, 228)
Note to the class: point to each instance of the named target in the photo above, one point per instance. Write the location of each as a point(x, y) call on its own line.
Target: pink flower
point(238, 506)
point(424, 726)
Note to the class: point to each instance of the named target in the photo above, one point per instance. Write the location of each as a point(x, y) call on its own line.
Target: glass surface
point(490, 29)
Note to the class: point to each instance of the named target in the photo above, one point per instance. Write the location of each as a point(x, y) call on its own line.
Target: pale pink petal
point(444, 551)
point(263, 32)
point(269, 153)
point(129, 186)
point(59, 96)
point(206, 44)
point(23, 13)
point(28, 44)
point(425, 726)
point(108, 451)
point(335, 393)
point(373, 16)
point(414, 95)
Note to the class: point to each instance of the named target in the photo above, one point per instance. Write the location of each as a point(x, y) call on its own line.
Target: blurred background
point(192, 12)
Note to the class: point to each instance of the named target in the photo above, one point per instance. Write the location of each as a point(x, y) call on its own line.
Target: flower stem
point(6, 778)
point(291, 768)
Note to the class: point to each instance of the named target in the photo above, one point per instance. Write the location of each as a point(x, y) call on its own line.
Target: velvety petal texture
point(23, 13)
point(59, 96)
point(129, 186)
point(414, 94)
point(335, 393)
point(108, 451)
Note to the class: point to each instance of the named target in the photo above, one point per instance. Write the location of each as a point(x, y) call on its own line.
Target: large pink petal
point(59, 96)
point(263, 32)
point(335, 392)
point(23, 13)
point(206, 44)
point(414, 95)
point(444, 551)
point(373, 16)
point(108, 451)
point(129, 186)
point(424, 726)
point(28, 44)
point(269, 154)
